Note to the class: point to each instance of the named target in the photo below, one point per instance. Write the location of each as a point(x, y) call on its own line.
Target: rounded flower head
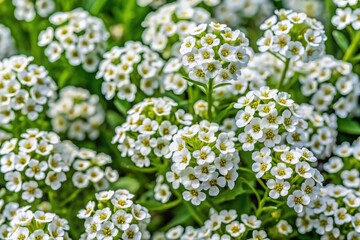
point(26, 10)
point(25, 88)
point(293, 36)
point(7, 47)
point(149, 129)
point(77, 113)
point(214, 51)
point(77, 34)
point(347, 14)
point(204, 160)
point(115, 215)
point(170, 24)
point(128, 68)
point(22, 223)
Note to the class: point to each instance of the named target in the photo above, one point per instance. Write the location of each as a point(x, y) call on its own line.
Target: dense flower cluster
point(7, 47)
point(293, 36)
point(320, 130)
point(77, 113)
point(330, 84)
point(214, 51)
point(203, 160)
point(347, 14)
point(27, 9)
point(220, 225)
point(24, 88)
point(312, 8)
point(237, 12)
point(170, 24)
point(18, 222)
point(39, 159)
point(148, 130)
point(79, 35)
point(114, 215)
point(126, 68)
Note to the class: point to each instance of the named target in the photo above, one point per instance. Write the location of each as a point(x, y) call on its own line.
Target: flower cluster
point(114, 215)
point(79, 35)
point(240, 12)
point(27, 9)
point(214, 51)
point(203, 160)
point(170, 24)
point(7, 47)
point(320, 130)
point(293, 36)
point(347, 13)
point(330, 85)
point(87, 167)
point(219, 225)
point(266, 121)
point(148, 130)
point(24, 87)
point(77, 113)
point(18, 222)
point(126, 68)
point(312, 8)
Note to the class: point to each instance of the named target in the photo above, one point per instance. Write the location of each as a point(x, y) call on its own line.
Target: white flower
point(297, 200)
point(278, 188)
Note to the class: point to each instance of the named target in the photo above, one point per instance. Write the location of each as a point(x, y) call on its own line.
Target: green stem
point(209, 98)
point(283, 75)
point(353, 47)
point(262, 203)
point(70, 198)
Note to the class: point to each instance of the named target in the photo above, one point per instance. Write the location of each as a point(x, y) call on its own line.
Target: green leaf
point(349, 126)
point(121, 106)
point(128, 183)
point(200, 84)
point(228, 194)
point(341, 40)
point(221, 85)
point(355, 59)
point(113, 118)
point(153, 205)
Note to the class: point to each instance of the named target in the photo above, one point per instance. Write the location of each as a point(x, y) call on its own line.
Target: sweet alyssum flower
point(27, 9)
point(25, 88)
point(347, 14)
point(22, 223)
point(293, 36)
point(125, 69)
point(219, 225)
point(38, 161)
point(170, 24)
point(114, 215)
point(77, 34)
point(204, 160)
point(148, 130)
point(77, 113)
point(312, 8)
point(7, 47)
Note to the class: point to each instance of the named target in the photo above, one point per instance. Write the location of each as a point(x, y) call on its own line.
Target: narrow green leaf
point(341, 40)
point(121, 106)
point(349, 126)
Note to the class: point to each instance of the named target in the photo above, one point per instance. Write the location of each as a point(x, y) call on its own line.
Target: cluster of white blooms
point(40, 159)
point(320, 130)
point(7, 47)
point(345, 161)
point(220, 225)
point(293, 36)
point(330, 85)
point(347, 14)
point(24, 87)
point(148, 130)
point(333, 214)
point(27, 9)
point(77, 113)
point(87, 167)
point(266, 120)
point(214, 51)
point(29, 163)
point(312, 8)
point(240, 12)
point(81, 36)
point(170, 24)
point(17, 223)
point(115, 216)
point(126, 68)
point(204, 160)
point(162, 191)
